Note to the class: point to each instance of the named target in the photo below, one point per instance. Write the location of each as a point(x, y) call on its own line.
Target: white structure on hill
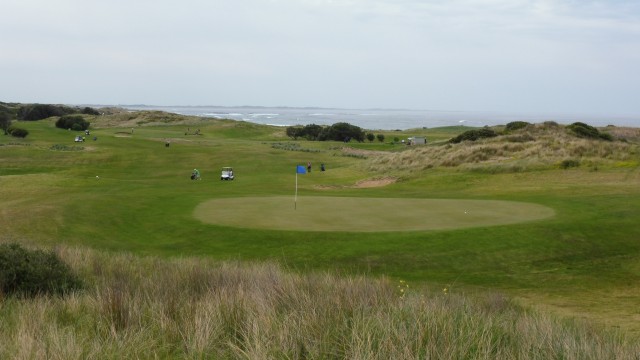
point(417, 140)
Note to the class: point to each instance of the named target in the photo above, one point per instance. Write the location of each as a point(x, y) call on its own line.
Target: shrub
point(583, 130)
point(342, 132)
point(18, 132)
point(33, 272)
point(606, 136)
point(5, 119)
point(516, 125)
point(34, 112)
point(586, 131)
point(370, 137)
point(294, 131)
point(569, 163)
point(380, 137)
point(42, 111)
point(73, 122)
point(90, 111)
point(309, 132)
point(473, 135)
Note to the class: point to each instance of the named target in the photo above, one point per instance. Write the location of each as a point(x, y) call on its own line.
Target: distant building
point(417, 140)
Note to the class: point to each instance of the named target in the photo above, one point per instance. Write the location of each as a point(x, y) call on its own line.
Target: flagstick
point(295, 199)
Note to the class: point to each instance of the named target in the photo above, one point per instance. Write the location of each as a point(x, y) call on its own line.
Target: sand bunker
point(365, 214)
point(375, 182)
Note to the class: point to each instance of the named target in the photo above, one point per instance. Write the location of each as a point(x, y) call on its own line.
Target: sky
point(543, 56)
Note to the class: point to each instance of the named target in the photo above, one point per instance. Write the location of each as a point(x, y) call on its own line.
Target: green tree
point(380, 137)
point(73, 122)
point(5, 121)
point(370, 137)
point(312, 131)
point(294, 131)
point(342, 131)
point(309, 132)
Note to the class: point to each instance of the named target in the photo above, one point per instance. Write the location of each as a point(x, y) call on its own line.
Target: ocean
point(382, 119)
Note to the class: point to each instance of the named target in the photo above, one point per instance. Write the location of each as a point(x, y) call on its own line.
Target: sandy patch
point(371, 183)
point(363, 184)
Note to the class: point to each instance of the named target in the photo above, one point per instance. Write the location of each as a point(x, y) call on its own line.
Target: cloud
point(456, 54)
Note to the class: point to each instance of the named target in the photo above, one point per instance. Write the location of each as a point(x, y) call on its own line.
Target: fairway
point(354, 214)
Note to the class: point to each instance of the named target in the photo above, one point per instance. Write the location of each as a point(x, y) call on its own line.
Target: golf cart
point(227, 173)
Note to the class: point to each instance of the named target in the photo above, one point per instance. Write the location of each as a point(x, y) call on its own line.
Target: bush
point(380, 137)
point(33, 272)
point(342, 132)
point(42, 111)
point(586, 131)
point(569, 163)
point(516, 125)
point(73, 122)
point(370, 137)
point(309, 132)
point(473, 135)
point(90, 111)
point(294, 131)
point(5, 119)
point(583, 130)
point(606, 136)
point(34, 112)
point(18, 132)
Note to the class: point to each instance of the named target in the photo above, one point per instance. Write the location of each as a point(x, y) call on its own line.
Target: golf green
point(364, 214)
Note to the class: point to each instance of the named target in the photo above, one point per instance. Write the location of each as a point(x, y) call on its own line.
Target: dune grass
point(149, 308)
point(581, 262)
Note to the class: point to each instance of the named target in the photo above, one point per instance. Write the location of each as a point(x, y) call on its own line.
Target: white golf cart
point(227, 173)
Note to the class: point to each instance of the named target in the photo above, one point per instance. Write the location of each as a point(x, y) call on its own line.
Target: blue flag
point(300, 169)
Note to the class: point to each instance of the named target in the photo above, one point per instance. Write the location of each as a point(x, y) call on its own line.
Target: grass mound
point(533, 147)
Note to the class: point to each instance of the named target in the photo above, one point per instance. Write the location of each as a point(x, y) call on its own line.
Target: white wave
point(259, 115)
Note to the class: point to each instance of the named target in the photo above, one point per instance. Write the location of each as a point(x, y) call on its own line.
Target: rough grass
point(532, 148)
point(147, 308)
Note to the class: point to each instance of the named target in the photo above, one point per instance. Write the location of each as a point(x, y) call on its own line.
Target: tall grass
point(146, 307)
point(532, 148)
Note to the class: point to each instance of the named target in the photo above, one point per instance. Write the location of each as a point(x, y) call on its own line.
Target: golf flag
point(300, 169)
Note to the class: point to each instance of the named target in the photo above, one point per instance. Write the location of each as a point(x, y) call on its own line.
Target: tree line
point(341, 131)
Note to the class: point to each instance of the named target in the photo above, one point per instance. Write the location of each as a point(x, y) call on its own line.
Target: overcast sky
point(572, 56)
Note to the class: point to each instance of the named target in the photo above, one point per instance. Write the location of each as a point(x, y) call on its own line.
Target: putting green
point(364, 214)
